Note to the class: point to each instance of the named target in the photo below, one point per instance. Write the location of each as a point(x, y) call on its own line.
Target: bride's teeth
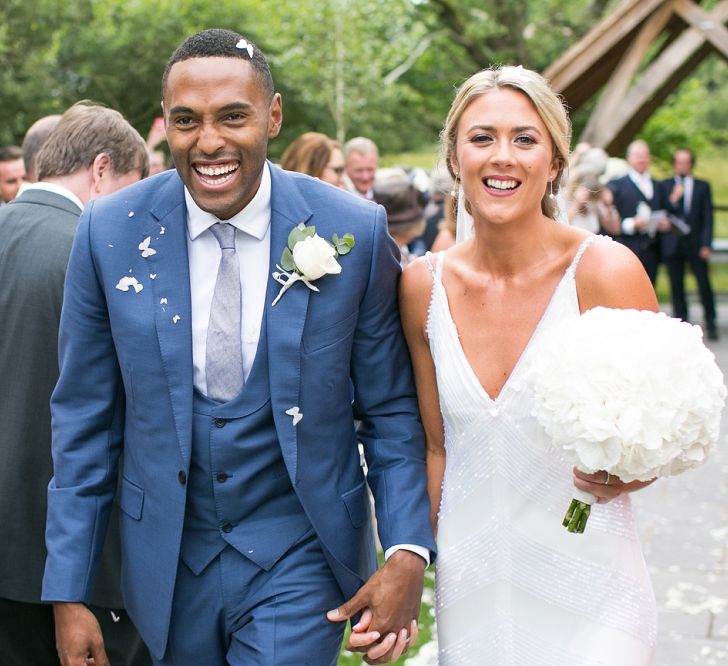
point(501, 184)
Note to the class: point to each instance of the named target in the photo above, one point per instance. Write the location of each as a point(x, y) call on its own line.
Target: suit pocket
point(131, 499)
point(357, 504)
point(319, 337)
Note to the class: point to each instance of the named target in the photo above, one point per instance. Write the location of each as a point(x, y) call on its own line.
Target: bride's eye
point(480, 138)
point(525, 139)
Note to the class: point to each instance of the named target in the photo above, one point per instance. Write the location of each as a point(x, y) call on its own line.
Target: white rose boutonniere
point(309, 257)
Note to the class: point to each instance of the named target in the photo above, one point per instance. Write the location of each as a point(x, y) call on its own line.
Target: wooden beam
point(709, 24)
point(624, 73)
point(598, 42)
point(660, 76)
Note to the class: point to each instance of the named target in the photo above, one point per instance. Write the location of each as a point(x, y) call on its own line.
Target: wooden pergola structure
point(638, 55)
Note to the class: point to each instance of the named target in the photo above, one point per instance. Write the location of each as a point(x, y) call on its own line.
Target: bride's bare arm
point(414, 299)
point(610, 274)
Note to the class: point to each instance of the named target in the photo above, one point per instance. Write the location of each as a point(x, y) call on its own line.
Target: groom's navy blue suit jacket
point(126, 384)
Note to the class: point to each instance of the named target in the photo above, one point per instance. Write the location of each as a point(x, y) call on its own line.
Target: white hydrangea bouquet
point(634, 393)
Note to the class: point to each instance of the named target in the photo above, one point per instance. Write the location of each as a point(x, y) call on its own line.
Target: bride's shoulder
point(417, 277)
point(610, 274)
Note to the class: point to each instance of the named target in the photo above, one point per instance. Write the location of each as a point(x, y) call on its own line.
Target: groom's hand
point(78, 636)
point(390, 601)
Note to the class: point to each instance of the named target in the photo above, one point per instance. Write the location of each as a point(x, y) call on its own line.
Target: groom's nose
point(210, 139)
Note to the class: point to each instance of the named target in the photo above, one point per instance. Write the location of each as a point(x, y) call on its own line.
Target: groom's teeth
point(216, 170)
point(501, 184)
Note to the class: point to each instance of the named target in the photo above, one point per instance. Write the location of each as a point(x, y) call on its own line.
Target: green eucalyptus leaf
point(309, 231)
point(349, 240)
point(287, 263)
point(342, 249)
point(296, 236)
point(335, 240)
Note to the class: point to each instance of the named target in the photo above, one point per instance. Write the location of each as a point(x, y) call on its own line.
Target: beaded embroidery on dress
point(514, 588)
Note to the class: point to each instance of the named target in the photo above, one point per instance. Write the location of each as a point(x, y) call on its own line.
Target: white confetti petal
point(163, 301)
point(295, 412)
point(144, 247)
point(175, 319)
point(152, 276)
point(162, 230)
point(126, 282)
point(131, 213)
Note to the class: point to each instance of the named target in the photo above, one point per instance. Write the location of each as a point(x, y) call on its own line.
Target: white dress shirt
point(252, 243)
point(644, 182)
point(52, 187)
point(687, 183)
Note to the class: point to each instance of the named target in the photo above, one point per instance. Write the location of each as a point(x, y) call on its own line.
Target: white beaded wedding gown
point(514, 587)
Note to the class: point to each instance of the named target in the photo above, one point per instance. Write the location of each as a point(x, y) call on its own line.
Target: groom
point(244, 508)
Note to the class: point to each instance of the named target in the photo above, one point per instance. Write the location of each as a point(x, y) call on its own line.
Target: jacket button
point(227, 528)
point(219, 423)
point(182, 477)
point(222, 477)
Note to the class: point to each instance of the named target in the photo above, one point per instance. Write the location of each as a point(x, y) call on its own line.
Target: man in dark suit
point(636, 195)
point(93, 151)
point(690, 199)
point(210, 297)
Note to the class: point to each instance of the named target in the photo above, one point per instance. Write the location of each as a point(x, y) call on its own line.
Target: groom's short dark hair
point(221, 43)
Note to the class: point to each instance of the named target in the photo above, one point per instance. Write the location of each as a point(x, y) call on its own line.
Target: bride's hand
point(604, 486)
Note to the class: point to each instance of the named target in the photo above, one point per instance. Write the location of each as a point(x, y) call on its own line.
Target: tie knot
point(225, 234)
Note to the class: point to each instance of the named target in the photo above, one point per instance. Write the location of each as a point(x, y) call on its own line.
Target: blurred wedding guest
point(690, 199)
point(636, 195)
point(93, 151)
point(405, 212)
point(317, 155)
point(33, 141)
point(447, 229)
point(156, 139)
point(361, 157)
point(12, 173)
point(589, 205)
point(440, 186)
point(157, 162)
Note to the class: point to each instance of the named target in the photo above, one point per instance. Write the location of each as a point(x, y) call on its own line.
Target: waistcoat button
point(219, 423)
point(182, 477)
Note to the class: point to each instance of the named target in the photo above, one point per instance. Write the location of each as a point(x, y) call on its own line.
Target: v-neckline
point(516, 367)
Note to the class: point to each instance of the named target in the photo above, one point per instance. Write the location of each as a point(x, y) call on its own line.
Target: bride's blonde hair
point(547, 103)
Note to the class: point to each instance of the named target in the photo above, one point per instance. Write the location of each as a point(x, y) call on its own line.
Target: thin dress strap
point(579, 253)
point(436, 265)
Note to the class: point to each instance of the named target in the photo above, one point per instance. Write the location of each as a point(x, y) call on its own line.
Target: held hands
point(78, 636)
point(605, 486)
point(390, 601)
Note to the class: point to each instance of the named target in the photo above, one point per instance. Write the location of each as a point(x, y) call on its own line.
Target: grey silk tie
point(224, 357)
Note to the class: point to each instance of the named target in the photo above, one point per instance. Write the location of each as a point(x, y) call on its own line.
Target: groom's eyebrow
point(227, 108)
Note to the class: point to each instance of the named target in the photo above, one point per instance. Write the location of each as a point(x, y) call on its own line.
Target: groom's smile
point(219, 116)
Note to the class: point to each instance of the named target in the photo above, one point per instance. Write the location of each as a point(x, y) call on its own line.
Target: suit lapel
point(285, 320)
point(169, 277)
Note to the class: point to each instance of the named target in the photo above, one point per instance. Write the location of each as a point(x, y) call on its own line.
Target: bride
point(513, 586)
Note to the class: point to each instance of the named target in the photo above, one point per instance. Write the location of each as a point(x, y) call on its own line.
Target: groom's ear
point(275, 119)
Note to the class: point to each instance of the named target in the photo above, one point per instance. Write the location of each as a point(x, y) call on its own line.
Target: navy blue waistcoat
point(239, 492)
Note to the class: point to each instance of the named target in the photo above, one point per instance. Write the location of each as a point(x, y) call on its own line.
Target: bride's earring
point(551, 188)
